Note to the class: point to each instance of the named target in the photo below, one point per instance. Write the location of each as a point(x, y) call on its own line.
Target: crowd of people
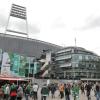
point(29, 90)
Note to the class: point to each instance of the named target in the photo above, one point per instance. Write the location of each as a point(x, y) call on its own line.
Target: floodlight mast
point(17, 12)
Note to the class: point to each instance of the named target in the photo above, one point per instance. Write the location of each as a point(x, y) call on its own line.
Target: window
point(80, 57)
point(75, 64)
point(87, 57)
point(83, 57)
point(75, 58)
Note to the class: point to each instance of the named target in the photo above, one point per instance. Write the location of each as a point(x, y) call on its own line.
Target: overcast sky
point(59, 21)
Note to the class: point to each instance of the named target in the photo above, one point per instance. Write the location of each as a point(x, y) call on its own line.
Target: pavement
point(81, 96)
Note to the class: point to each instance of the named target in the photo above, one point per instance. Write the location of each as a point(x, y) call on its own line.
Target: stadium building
point(17, 51)
point(25, 47)
point(23, 56)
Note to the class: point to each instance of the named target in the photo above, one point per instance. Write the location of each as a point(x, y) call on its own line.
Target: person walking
point(19, 93)
point(82, 89)
point(44, 92)
point(97, 90)
point(61, 90)
point(7, 92)
point(88, 91)
point(67, 92)
point(75, 91)
point(1, 93)
point(27, 91)
point(35, 91)
point(53, 89)
point(4, 90)
point(13, 92)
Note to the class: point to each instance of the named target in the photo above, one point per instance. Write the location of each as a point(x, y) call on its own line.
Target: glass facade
point(13, 64)
point(81, 63)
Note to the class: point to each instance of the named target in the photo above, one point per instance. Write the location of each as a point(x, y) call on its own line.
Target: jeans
point(13, 98)
point(61, 94)
point(43, 98)
point(27, 96)
point(35, 96)
point(67, 97)
point(97, 95)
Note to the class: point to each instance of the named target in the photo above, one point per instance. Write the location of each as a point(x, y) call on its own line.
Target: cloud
point(34, 29)
point(58, 23)
point(3, 20)
point(91, 22)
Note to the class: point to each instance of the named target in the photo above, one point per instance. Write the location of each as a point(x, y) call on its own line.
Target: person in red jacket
point(13, 92)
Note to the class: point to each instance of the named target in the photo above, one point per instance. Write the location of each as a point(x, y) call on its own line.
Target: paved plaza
point(81, 96)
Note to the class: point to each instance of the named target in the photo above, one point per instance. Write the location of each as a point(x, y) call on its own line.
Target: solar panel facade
point(25, 46)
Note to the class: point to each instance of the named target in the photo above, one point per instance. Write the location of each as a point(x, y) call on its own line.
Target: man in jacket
point(44, 92)
point(67, 92)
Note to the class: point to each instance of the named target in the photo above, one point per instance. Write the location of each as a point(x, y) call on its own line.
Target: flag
point(18, 11)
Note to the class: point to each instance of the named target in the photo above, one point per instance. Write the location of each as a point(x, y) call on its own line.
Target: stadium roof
point(25, 46)
point(78, 48)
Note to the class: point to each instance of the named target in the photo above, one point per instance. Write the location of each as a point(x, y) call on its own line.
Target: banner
point(16, 63)
point(6, 63)
point(13, 64)
point(23, 61)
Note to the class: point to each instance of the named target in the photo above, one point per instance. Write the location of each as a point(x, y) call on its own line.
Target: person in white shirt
point(35, 91)
point(7, 92)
